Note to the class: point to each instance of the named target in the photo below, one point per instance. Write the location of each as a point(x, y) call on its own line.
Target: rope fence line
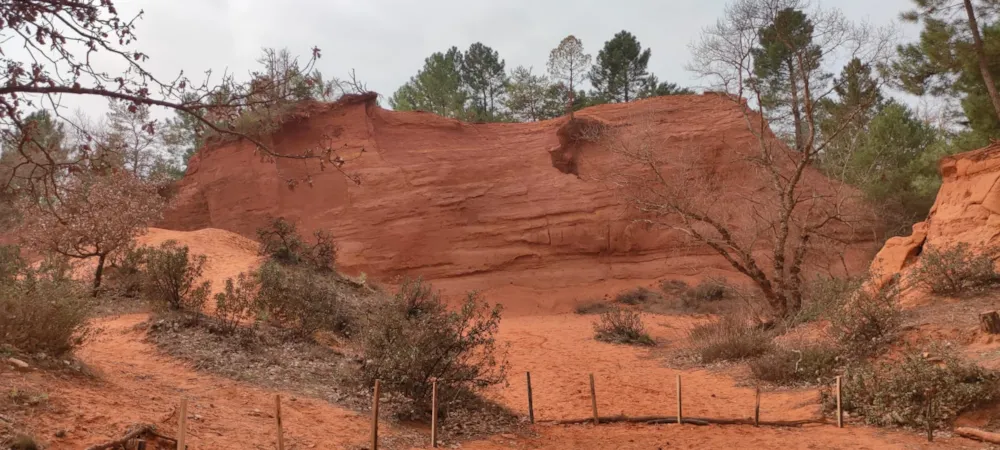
point(138, 435)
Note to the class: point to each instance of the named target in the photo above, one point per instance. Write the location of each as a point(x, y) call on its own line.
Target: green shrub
point(171, 278)
point(282, 243)
point(896, 392)
point(955, 270)
point(125, 278)
point(809, 364)
point(868, 321)
point(636, 296)
point(11, 263)
point(303, 299)
point(43, 310)
point(406, 348)
point(236, 302)
point(729, 339)
point(622, 326)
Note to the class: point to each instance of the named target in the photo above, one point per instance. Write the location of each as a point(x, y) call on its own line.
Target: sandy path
point(137, 384)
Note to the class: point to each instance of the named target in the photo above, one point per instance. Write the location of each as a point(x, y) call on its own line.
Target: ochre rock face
point(521, 212)
point(967, 209)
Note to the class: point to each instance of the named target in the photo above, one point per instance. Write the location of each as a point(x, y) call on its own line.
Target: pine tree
point(437, 88)
point(527, 95)
point(786, 52)
point(620, 72)
point(568, 65)
point(484, 76)
point(655, 88)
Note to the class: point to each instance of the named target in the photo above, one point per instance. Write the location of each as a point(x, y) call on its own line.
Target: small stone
point(18, 363)
point(61, 434)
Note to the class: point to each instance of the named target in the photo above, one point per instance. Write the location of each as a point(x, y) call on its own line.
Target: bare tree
point(97, 213)
point(57, 39)
point(767, 227)
point(568, 63)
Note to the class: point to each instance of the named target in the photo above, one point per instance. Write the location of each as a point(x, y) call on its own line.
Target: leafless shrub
point(730, 338)
point(622, 326)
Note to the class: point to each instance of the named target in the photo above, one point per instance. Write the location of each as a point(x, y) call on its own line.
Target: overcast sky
point(386, 41)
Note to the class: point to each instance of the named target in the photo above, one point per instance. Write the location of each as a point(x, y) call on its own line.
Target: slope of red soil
point(523, 212)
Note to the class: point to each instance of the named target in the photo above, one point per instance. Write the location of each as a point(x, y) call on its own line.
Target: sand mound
point(517, 211)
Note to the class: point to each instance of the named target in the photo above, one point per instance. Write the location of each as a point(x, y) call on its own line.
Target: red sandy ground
point(138, 384)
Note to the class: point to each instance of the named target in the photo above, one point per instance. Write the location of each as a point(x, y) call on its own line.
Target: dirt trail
point(137, 384)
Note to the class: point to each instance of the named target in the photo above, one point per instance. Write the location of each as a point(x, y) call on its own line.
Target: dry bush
point(125, 276)
point(622, 326)
point(282, 243)
point(707, 291)
point(824, 296)
point(955, 270)
point(406, 348)
point(236, 302)
point(303, 299)
point(731, 338)
point(868, 321)
point(11, 263)
point(43, 309)
point(593, 307)
point(637, 296)
point(811, 364)
point(171, 278)
point(896, 392)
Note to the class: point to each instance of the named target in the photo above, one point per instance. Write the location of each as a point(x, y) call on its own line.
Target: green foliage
point(944, 62)
point(619, 74)
point(653, 87)
point(406, 348)
point(786, 50)
point(437, 88)
point(303, 299)
point(811, 364)
point(483, 74)
point(955, 270)
point(896, 392)
point(125, 278)
point(171, 278)
point(11, 263)
point(42, 309)
point(729, 338)
point(532, 97)
point(868, 321)
point(622, 326)
point(281, 242)
point(236, 302)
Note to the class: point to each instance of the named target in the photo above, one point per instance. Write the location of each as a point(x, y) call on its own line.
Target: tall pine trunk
point(796, 113)
point(977, 41)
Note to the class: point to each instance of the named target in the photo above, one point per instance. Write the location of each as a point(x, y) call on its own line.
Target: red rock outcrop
point(967, 209)
point(511, 209)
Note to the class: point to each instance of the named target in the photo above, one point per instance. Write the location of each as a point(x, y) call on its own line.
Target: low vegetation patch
point(731, 338)
point(637, 296)
point(955, 270)
point(42, 310)
point(411, 338)
point(170, 279)
point(305, 300)
point(895, 393)
point(622, 326)
point(868, 322)
point(593, 307)
point(810, 364)
point(708, 290)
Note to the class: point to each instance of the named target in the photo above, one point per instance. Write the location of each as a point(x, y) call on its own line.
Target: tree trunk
point(977, 41)
point(989, 322)
point(99, 273)
point(796, 114)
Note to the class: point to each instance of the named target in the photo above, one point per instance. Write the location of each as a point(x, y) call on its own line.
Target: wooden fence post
point(680, 411)
point(840, 412)
point(593, 399)
point(929, 416)
point(531, 406)
point(277, 416)
point(756, 407)
point(434, 413)
point(375, 417)
point(182, 425)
